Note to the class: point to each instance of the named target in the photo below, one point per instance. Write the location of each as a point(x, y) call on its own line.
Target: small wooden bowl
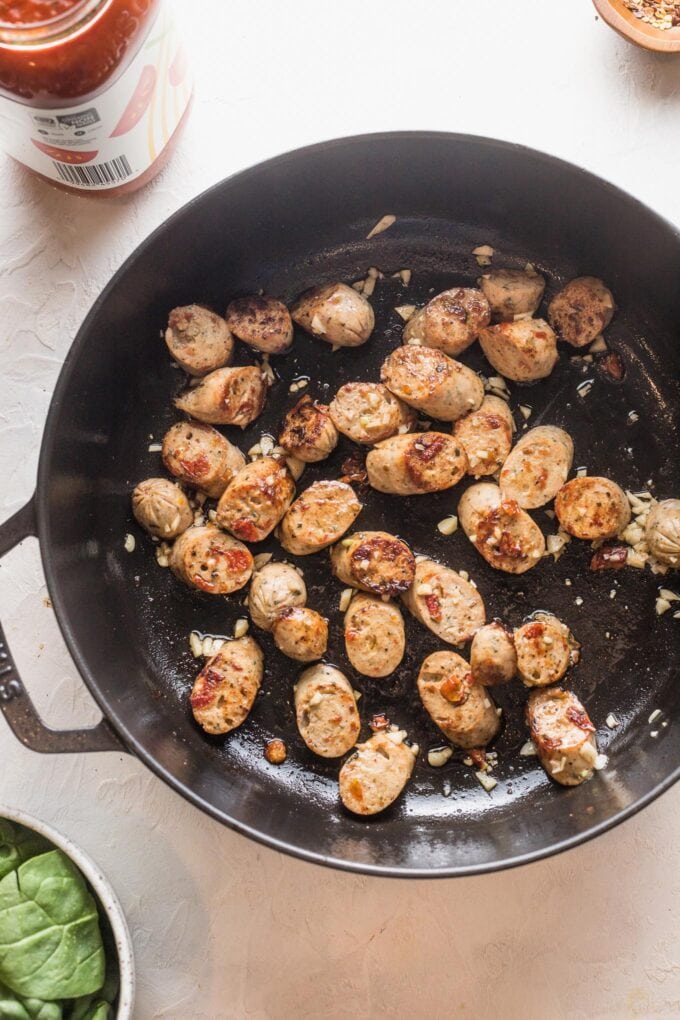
point(623, 21)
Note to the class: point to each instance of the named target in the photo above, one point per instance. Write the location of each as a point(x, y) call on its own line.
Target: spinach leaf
point(14, 1008)
point(50, 942)
point(100, 1005)
point(17, 844)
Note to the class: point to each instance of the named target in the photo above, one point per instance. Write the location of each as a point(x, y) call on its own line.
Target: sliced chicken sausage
point(592, 508)
point(319, 517)
point(415, 464)
point(563, 735)
point(161, 508)
point(261, 322)
point(198, 339)
point(581, 310)
point(374, 635)
point(274, 587)
point(201, 457)
point(308, 431)
point(512, 292)
point(300, 633)
point(445, 602)
point(335, 313)
point(368, 413)
point(225, 689)
point(326, 711)
point(207, 559)
point(374, 561)
point(544, 647)
point(432, 382)
point(662, 532)
point(537, 468)
point(451, 321)
point(229, 396)
point(256, 499)
point(377, 772)
point(493, 658)
point(500, 530)
point(462, 709)
point(486, 436)
point(524, 351)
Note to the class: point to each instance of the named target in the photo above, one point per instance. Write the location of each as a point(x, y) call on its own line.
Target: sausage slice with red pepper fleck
point(374, 561)
point(432, 382)
point(229, 396)
point(374, 635)
point(318, 517)
point(543, 647)
point(225, 689)
point(376, 773)
point(198, 339)
point(500, 530)
point(201, 457)
point(563, 735)
point(462, 709)
point(592, 508)
point(486, 436)
point(537, 467)
point(256, 499)
point(300, 633)
point(326, 711)
point(207, 559)
point(445, 602)
point(412, 465)
point(523, 351)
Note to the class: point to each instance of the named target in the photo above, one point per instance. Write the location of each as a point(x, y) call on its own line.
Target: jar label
point(118, 135)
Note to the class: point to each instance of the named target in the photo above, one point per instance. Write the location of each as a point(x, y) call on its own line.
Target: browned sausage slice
point(462, 709)
point(207, 559)
point(377, 772)
point(563, 735)
point(225, 689)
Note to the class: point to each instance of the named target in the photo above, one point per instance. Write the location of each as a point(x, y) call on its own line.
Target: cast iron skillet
point(298, 220)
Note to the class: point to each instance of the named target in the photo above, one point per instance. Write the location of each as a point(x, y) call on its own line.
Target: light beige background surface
point(223, 928)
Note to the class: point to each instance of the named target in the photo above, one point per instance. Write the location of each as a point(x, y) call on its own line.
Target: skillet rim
point(44, 538)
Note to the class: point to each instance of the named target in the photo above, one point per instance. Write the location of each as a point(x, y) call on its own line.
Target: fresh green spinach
point(50, 941)
point(14, 1008)
point(17, 844)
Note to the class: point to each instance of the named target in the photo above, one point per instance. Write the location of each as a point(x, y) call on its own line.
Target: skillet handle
point(15, 704)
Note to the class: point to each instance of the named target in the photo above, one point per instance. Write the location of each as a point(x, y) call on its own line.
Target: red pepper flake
point(609, 557)
point(613, 365)
point(478, 756)
point(580, 718)
point(354, 470)
point(434, 607)
point(379, 722)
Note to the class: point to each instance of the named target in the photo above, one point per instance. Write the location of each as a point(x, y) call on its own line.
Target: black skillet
point(298, 220)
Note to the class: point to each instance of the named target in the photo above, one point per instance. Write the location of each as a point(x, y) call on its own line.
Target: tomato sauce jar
point(93, 93)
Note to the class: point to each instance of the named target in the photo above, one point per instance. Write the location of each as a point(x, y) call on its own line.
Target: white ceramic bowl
point(108, 902)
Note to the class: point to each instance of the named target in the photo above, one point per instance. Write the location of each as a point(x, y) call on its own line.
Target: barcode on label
point(115, 170)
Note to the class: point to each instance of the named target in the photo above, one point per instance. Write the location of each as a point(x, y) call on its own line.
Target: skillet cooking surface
point(298, 221)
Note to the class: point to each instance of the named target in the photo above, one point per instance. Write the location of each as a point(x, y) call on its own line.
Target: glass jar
point(93, 93)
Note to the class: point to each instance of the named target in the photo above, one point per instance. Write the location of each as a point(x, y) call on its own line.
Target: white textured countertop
point(222, 927)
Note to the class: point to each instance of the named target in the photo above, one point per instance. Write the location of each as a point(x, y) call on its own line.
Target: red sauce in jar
point(58, 55)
